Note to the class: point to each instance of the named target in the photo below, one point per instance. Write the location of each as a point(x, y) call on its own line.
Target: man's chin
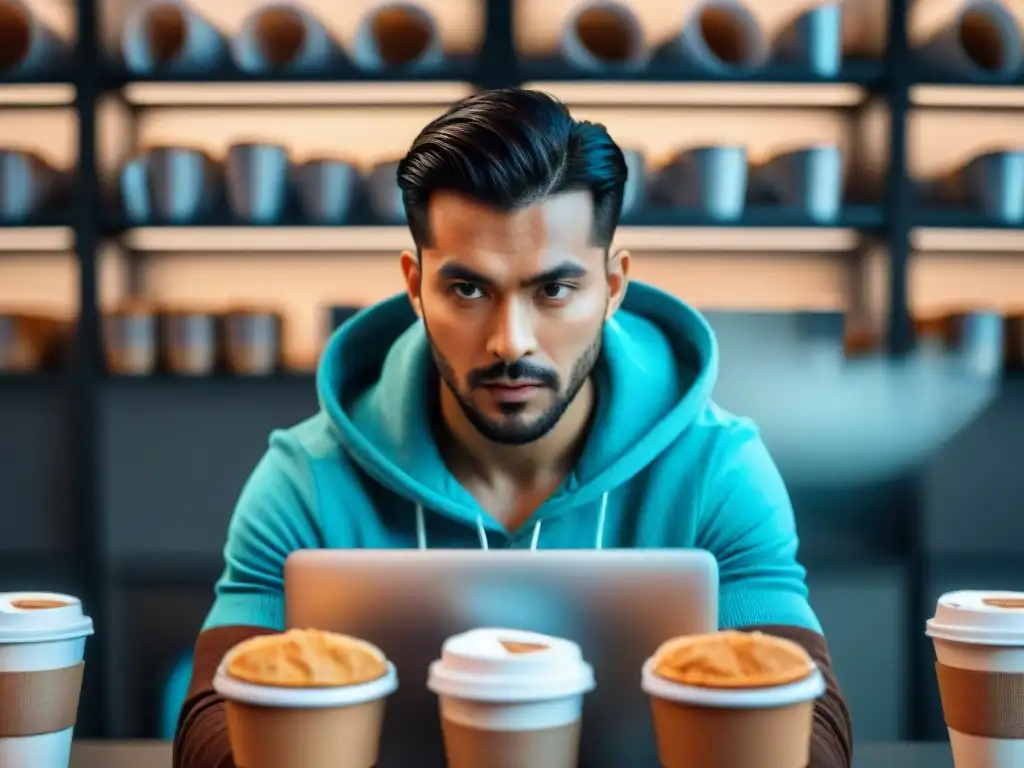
point(508, 424)
point(510, 414)
point(509, 430)
point(513, 437)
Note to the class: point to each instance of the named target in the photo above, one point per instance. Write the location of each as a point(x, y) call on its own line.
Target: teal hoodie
point(663, 467)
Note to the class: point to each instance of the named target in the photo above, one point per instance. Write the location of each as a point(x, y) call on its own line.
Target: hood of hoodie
point(656, 371)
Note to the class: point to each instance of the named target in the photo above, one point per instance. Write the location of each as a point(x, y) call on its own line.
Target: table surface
point(157, 754)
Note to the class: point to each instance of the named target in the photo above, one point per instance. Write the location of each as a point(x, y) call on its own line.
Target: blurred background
point(193, 195)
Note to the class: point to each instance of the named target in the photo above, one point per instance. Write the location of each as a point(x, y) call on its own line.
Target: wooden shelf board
point(966, 96)
point(48, 239)
point(397, 238)
point(939, 239)
point(171, 94)
point(37, 94)
point(719, 94)
point(294, 94)
point(941, 281)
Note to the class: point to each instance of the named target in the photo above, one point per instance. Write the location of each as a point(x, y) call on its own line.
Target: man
point(525, 401)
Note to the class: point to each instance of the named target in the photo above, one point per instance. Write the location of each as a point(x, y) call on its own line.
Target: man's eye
point(467, 291)
point(556, 291)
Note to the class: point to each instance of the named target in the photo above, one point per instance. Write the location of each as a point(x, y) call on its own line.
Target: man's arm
point(201, 740)
point(832, 738)
point(273, 518)
point(748, 524)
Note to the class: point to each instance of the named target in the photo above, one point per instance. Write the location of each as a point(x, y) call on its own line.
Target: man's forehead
point(458, 222)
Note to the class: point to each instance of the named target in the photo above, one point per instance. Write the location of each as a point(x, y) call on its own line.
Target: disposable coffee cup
point(510, 699)
point(305, 727)
point(42, 647)
point(979, 650)
point(757, 727)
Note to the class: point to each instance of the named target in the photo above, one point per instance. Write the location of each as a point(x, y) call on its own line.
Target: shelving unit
point(102, 454)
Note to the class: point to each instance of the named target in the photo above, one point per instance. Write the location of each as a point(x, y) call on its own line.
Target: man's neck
point(472, 457)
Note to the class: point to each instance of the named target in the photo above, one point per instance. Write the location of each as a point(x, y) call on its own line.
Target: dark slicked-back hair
point(508, 149)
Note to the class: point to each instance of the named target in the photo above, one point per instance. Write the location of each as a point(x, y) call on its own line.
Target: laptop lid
point(619, 605)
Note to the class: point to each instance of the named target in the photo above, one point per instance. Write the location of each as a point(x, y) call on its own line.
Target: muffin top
point(305, 658)
point(732, 659)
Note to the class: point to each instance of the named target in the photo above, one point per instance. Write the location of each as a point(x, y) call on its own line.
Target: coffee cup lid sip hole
point(507, 665)
point(33, 617)
point(979, 617)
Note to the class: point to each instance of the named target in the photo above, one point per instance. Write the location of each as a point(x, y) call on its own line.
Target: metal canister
point(130, 340)
point(253, 342)
point(189, 342)
point(28, 342)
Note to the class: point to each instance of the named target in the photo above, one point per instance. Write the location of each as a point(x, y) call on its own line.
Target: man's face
point(514, 306)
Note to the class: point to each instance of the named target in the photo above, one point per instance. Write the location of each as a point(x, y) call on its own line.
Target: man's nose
point(512, 336)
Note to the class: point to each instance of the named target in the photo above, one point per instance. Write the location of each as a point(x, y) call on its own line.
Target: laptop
point(619, 605)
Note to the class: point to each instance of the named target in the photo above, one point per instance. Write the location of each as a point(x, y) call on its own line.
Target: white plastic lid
point(303, 698)
point(508, 665)
point(807, 689)
point(35, 617)
point(971, 616)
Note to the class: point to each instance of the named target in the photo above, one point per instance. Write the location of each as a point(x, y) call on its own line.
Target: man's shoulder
point(714, 432)
point(714, 440)
point(309, 458)
point(304, 468)
point(312, 439)
point(719, 423)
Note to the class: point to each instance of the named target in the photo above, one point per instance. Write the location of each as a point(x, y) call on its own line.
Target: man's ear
point(411, 274)
point(618, 280)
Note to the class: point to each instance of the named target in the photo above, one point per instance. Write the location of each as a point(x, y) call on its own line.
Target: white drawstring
point(601, 515)
point(421, 528)
point(481, 531)
point(536, 536)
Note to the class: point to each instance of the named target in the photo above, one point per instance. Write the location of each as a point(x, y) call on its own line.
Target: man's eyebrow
point(455, 271)
point(565, 271)
point(568, 270)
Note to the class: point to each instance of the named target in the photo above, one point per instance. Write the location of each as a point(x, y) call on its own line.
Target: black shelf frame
point(898, 187)
point(900, 214)
point(951, 218)
point(93, 75)
point(91, 565)
point(922, 75)
point(868, 218)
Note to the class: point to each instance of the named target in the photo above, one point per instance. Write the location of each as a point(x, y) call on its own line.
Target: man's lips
point(512, 393)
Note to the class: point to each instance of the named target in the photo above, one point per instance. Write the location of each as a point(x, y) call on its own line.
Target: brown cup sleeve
point(33, 703)
point(981, 703)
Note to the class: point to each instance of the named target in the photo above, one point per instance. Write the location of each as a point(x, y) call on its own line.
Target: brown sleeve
point(201, 740)
point(832, 740)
